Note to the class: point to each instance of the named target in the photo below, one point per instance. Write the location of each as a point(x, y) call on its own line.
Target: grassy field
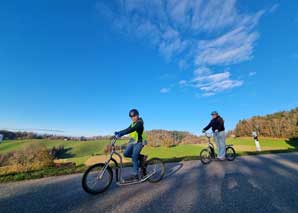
point(89, 152)
point(79, 152)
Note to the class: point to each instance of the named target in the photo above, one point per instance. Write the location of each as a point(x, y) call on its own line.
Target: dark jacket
point(216, 124)
point(138, 127)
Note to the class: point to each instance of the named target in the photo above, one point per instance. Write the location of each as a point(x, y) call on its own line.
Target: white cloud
point(252, 73)
point(233, 47)
point(213, 83)
point(274, 8)
point(208, 94)
point(202, 71)
point(164, 90)
point(194, 33)
point(182, 82)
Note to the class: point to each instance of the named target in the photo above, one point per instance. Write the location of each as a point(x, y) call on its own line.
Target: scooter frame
point(212, 148)
point(119, 167)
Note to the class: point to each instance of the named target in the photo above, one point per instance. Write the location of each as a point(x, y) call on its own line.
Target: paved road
point(266, 183)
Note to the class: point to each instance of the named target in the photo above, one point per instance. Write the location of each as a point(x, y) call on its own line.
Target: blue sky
point(79, 66)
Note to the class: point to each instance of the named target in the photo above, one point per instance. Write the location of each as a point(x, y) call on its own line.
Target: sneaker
point(221, 158)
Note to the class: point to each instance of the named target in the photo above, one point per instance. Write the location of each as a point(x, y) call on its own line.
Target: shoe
point(221, 158)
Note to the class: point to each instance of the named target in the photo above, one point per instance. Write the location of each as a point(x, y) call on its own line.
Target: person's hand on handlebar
point(117, 134)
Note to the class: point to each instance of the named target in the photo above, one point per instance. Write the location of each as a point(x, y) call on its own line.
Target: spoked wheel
point(94, 181)
point(155, 169)
point(230, 153)
point(205, 156)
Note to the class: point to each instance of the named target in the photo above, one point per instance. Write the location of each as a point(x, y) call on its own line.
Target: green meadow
point(80, 151)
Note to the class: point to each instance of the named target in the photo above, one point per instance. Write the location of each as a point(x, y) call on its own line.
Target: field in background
point(81, 151)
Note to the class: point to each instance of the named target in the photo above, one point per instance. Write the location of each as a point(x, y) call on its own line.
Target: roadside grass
point(46, 172)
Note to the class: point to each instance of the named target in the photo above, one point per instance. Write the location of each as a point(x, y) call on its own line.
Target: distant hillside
point(281, 124)
point(172, 138)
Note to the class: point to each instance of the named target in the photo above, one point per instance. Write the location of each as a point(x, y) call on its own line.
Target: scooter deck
point(142, 180)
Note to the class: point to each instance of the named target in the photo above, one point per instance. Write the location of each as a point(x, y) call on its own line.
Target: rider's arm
point(208, 126)
point(131, 129)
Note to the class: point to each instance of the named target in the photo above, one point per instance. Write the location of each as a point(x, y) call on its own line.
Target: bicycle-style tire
point(95, 169)
point(230, 153)
point(205, 156)
point(156, 165)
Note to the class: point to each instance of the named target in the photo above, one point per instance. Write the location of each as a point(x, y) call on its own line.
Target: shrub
point(4, 158)
point(33, 156)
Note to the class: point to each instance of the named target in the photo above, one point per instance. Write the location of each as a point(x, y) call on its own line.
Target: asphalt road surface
point(264, 183)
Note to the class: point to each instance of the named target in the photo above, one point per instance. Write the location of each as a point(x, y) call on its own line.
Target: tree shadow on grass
point(293, 142)
point(64, 153)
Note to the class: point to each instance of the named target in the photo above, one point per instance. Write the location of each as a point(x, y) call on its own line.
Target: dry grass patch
point(102, 158)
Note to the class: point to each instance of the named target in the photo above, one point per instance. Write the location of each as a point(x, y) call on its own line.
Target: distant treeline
point(281, 124)
point(10, 135)
point(154, 137)
point(172, 138)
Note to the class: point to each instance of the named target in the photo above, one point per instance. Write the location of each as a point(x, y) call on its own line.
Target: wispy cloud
point(165, 90)
point(213, 83)
point(274, 8)
point(182, 82)
point(199, 35)
point(252, 73)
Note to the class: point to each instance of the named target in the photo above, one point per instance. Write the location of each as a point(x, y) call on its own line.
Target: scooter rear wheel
point(155, 169)
point(230, 153)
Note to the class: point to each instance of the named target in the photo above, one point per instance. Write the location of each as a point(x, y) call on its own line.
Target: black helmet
point(133, 113)
point(214, 113)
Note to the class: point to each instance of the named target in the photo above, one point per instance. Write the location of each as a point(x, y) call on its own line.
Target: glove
point(117, 134)
point(203, 131)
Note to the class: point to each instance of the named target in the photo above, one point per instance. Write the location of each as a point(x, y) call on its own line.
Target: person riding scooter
point(136, 142)
point(218, 128)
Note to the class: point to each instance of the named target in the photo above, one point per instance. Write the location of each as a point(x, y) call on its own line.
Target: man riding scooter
point(135, 144)
point(218, 128)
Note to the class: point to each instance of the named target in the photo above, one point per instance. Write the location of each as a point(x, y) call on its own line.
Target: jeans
point(133, 151)
point(220, 140)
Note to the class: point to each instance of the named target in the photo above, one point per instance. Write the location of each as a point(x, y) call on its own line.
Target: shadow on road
point(172, 169)
point(256, 184)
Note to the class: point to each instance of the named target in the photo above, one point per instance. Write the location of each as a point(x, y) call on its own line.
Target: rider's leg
point(143, 160)
point(216, 140)
point(128, 151)
point(222, 145)
point(137, 148)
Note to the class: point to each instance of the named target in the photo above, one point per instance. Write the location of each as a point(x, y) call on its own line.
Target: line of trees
point(157, 138)
point(10, 135)
point(281, 124)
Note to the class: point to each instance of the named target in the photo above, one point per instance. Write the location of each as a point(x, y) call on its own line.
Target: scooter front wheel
point(155, 170)
point(205, 156)
point(96, 180)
